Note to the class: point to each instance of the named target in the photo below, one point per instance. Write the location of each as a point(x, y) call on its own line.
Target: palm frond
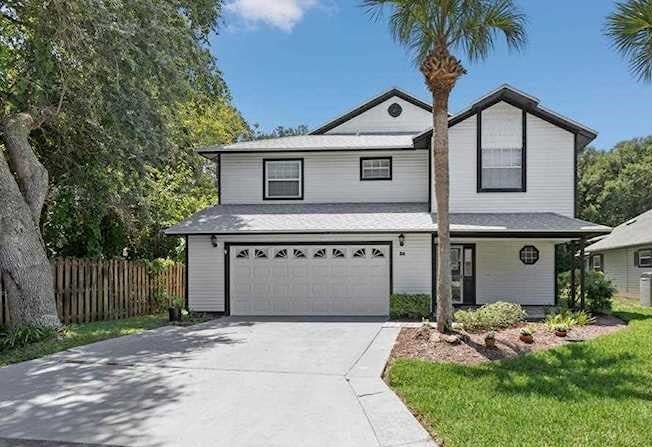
point(470, 26)
point(630, 28)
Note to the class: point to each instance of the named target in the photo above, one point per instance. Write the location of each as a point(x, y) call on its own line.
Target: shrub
point(409, 307)
point(24, 335)
point(569, 319)
point(498, 315)
point(599, 290)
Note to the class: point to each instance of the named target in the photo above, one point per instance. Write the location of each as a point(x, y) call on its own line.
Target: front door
point(462, 261)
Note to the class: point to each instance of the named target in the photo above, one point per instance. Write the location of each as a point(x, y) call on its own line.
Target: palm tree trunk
point(440, 149)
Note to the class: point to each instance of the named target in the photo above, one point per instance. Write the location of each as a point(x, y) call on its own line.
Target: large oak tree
point(89, 88)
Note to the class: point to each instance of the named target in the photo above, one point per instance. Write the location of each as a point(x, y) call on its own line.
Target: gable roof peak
point(370, 103)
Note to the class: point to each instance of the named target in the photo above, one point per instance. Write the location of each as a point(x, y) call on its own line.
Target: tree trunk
point(440, 150)
point(23, 262)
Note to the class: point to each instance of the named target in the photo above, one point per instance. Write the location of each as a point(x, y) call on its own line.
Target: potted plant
point(561, 330)
point(490, 340)
point(527, 335)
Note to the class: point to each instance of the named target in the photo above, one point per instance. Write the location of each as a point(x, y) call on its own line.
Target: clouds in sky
point(281, 14)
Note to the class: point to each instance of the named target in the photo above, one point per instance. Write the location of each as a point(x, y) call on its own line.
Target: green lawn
point(597, 393)
point(83, 334)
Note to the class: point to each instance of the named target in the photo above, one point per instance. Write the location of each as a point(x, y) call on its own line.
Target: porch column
point(582, 278)
point(573, 288)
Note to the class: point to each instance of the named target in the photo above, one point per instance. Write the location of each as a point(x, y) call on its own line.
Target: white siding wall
point(205, 270)
point(413, 119)
point(550, 160)
point(501, 276)
point(330, 177)
point(619, 267)
point(206, 292)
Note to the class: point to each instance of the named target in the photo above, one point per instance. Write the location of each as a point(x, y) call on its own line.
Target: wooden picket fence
point(95, 289)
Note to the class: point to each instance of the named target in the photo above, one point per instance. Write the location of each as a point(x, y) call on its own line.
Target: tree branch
point(31, 175)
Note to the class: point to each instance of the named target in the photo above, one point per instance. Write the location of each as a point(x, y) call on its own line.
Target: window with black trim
point(644, 257)
point(299, 253)
point(282, 253)
point(377, 253)
point(320, 253)
point(243, 254)
point(283, 179)
point(501, 168)
point(376, 168)
point(529, 255)
point(360, 253)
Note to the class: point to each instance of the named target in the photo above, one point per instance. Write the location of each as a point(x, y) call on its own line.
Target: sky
point(292, 62)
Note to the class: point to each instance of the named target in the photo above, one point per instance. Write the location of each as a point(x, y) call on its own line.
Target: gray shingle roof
point(317, 142)
point(637, 231)
point(368, 217)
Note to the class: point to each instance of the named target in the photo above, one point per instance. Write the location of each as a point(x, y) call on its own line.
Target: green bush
point(599, 290)
point(409, 307)
point(568, 318)
point(24, 335)
point(493, 316)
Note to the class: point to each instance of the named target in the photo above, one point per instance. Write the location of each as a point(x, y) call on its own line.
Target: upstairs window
point(501, 150)
point(377, 168)
point(595, 263)
point(502, 168)
point(283, 179)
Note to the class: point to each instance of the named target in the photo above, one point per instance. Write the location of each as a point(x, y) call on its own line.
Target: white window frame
point(364, 170)
point(504, 162)
point(648, 258)
point(267, 181)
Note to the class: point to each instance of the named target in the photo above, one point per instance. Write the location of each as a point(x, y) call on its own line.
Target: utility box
point(646, 289)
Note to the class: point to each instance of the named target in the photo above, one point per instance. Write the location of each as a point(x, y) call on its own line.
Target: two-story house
point(334, 222)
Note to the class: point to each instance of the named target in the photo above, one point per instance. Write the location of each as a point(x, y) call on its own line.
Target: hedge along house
point(625, 254)
point(333, 222)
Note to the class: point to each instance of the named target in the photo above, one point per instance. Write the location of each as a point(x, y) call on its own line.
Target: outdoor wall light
point(401, 239)
point(214, 240)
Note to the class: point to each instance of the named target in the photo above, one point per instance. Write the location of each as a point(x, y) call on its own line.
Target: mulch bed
point(415, 343)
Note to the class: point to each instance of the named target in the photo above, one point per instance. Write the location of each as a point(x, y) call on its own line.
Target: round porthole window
point(529, 255)
point(395, 110)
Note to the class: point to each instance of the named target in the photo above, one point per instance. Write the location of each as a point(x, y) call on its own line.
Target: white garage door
point(309, 279)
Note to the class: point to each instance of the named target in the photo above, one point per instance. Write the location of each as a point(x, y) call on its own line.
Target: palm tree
point(433, 30)
point(630, 28)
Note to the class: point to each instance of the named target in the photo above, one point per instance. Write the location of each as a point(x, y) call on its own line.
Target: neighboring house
point(625, 254)
point(334, 222)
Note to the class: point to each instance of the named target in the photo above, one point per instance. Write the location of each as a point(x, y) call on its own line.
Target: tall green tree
point(89, 89)
point(435, 31)
point(612, 185)
point(630, 29)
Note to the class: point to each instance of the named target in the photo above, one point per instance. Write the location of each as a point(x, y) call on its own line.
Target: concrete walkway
point(229, 382)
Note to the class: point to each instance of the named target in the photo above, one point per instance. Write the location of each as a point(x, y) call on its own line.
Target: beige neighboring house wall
point(620, 268)
point(619, 252)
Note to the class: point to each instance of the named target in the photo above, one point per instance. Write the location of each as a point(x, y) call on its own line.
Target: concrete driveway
point(228, 382)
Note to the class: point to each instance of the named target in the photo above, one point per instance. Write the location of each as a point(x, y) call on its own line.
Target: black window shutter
point(602, 262)
point(636, 258)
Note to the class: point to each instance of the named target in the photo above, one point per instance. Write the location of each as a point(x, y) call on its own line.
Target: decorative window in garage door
point(360, 253)
point(281, 254)
point(337, 253)
point(260, 254)
point(320, 253)
point(298, 253)
point(243, 254)
point(377, 253)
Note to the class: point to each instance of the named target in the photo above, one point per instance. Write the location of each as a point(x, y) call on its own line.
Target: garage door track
point(229, 382)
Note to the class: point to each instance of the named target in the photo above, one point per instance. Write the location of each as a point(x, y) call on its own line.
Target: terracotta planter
point(561, 333)
point(529, 339)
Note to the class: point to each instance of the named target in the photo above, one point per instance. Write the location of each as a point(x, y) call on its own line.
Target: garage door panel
point(290, 280)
